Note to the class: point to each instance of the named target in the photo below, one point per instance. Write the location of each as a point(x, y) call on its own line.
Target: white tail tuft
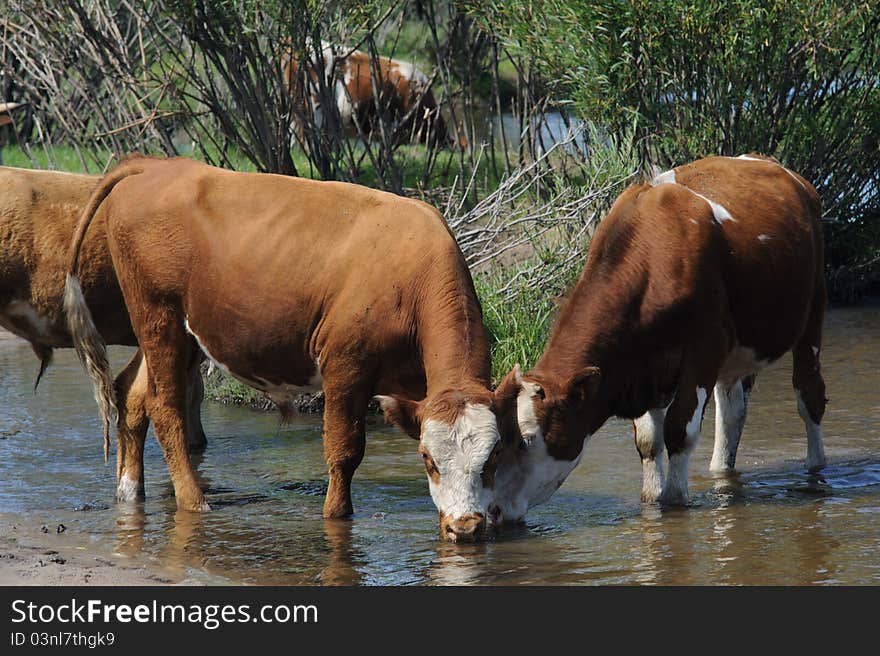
point(92, 353)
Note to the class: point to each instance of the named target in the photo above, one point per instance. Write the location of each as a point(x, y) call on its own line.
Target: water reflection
point(340, 567)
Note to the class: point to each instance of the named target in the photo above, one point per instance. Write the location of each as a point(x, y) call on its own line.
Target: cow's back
point(286, 265)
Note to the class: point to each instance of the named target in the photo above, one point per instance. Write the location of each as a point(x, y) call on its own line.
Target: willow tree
point(797, 79)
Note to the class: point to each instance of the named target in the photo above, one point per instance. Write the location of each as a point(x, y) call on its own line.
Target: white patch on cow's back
point(769, 161)
point(460, 452)
point(718, 211)
point(668, 177)
point(763, 238)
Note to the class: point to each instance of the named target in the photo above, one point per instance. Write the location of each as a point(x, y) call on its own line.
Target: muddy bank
point(52, 553)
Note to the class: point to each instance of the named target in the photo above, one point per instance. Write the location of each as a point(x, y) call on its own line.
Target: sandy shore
point(37, 554)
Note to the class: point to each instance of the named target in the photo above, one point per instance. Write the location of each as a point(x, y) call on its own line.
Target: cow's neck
point(595, 330)
point(451, 336)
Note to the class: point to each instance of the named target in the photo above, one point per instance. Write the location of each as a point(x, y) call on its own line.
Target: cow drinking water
point(695, 280)
point(287, 284)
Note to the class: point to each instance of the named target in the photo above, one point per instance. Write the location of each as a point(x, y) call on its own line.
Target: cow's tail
point(87, 341)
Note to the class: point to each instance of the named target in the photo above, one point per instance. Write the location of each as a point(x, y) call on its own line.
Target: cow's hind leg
point(731, 407)
point(169, 353)
point(649, 443)
point(345, 412)
point(810, 388)
point(131, 429)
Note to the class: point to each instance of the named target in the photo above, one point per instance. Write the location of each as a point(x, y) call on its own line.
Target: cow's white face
point(459, 449)
point(460, 460)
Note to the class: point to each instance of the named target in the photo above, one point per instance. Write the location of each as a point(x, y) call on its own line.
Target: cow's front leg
point(649, 443)
point(131, 429)
point(345, 412)
point(681, 430)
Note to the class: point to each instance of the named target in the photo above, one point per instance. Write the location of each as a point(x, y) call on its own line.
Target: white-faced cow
point(693, 281)
point(366, 91)
point(289, 283)
point(39, 211)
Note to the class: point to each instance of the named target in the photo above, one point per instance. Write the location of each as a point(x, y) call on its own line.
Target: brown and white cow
point(39, 211)
point(365, 91)
point(693, 281)
point(289, 283)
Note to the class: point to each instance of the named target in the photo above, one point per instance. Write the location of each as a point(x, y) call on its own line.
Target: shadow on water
point(771, 523)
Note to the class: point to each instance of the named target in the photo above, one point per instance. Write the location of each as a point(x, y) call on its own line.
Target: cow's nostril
point(494, 512)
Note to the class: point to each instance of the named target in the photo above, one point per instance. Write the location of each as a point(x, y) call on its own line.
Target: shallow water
point(773, 524)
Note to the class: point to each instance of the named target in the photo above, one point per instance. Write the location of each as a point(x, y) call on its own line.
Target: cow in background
point(366, 92)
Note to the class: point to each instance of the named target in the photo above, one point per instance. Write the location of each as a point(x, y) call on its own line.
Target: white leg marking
point(815, 447)
point(649, 437)
point(127, 489)
point(763, 238)
point(730, 417)
point(675, 492)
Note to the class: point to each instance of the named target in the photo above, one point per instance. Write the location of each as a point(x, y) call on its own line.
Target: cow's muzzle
point(467, 528)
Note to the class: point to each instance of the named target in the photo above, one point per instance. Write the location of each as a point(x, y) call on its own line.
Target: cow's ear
point(582, 387)
point(403, 413)
point(504, 401)
point(504, 405)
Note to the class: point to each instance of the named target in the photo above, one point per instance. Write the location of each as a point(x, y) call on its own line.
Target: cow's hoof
point(194, 506)
point(674, 498)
